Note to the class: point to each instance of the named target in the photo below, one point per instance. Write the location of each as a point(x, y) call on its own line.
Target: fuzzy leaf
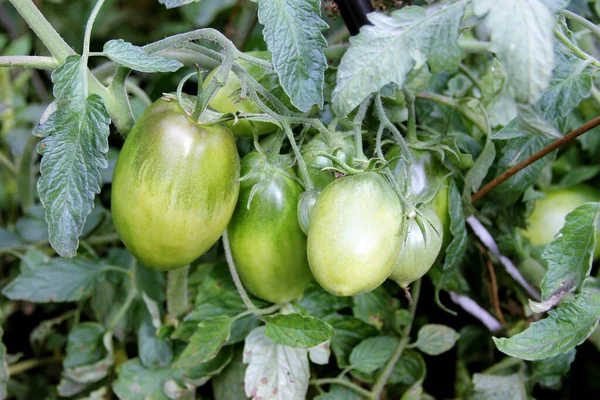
point(134, 57)
point(295, 330)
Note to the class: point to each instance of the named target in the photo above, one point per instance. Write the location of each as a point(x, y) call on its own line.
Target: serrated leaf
point(295, 330)
point(176, 3)
point(138, 383)
point(565, 327)
point(68, 80)
point(522, 38)
point(3, 368)
point(153, 351)
point(202, 373)
point(349, 332)
point(134, 57)
point(480, 168)
point(229, 385)
point(435, 339)
point(549, 372)
point(372, 353)
point(206, 342)
point(372, 307)
point(386, 51)
point(74, 147)
point(456, 249)
point(494, 387)
point(292, 31)
point(273, 369)
point(56, 281)
point(569, 256)
point(89, 354)
point(319, 303)
point(409, 370)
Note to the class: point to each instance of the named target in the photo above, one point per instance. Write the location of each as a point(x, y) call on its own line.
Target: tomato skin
point(418, 253)
point(306, 204)
point(228, 100)
point(341, 147)
point(175, 186)
point(267, 244)
point(427, 175)
point(549, 213)
point(355, 234)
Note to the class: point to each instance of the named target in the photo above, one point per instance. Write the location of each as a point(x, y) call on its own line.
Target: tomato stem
point(177, 291)
point(411, 133)
point(357, 123)
point(342, 382)
point(308, 185)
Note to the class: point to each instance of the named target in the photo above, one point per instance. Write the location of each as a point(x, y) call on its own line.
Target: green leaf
point(319, 303)
point(480, 168)
point(134, 57)
point(153, 352)
point(409, 370)
point(349, 332)
point(3, 368)
point(494, 387)
point(549, 372)
point(522, 36)
point(229, 385)
point(138, 383)
point(372, 353)
point(564, 328)
point(292, 31)
point(68, 80)
point(274, 369)
point(295, 330)
point(204, 345)
point(386, 51)
point(176, 3)
point(456, 249)
point(569, 256)
point(8, 239)
point(528, 123)
point(337, 392)
point(374, 307)
point(74, 150)
point(56, 281)
point(435, 339)
point(89, 353)
point(241, 328)
point(202, 373)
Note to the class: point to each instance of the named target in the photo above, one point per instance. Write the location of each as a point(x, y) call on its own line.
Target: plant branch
point(177, 291)
point(470, 306)
point(576, 50)
point(385, 374)
point(535, 157)
point(588, 24)
point(26, 365)
point(43, 30)
point(471, 76)
point(36, 62)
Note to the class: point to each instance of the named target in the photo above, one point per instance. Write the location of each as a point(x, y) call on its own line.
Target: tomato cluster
point(177, 187)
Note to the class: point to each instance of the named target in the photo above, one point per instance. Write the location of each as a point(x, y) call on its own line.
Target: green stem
point(103, 239)
point(238, 282)
point(336, 51)
point(36, 62)
point(43, 30)
point(177, 292)
point(583, 21)
point(506, 363)
point(25, 177)
point(342, 382)
point(6, 163)
point(138, 92)
point(124, 308)
point(474, 46)
point(118, 92)
point(576, 50)
point(385, 374)
point(308, 185)
point(411, 132)
point(471, 76)
point(24, 366)
point(275, 148)
point(86, 41)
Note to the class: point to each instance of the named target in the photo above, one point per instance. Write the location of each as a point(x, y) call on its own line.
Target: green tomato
point(419, 251)
point(355, 234)
point(306, 204)
point(427, 176)
point(267, 244)
point(174, 187)
point(342, 146)
point(228, 99)
point(549, 213)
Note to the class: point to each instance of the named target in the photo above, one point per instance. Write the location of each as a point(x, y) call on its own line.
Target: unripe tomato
point(549, 213)
point(228, 98)
point(355, 234)
point(267, 244)
point(427, 175)
point(342, 146)
point(174, 187)
point(419, 251)
point(306, 204)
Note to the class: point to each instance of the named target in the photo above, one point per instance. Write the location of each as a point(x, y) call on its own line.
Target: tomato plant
point(188, 171)
point(416, 203)
point(267, 242)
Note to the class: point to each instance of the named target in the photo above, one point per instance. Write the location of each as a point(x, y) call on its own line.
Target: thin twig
point(495, 297)
point(533, 158)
